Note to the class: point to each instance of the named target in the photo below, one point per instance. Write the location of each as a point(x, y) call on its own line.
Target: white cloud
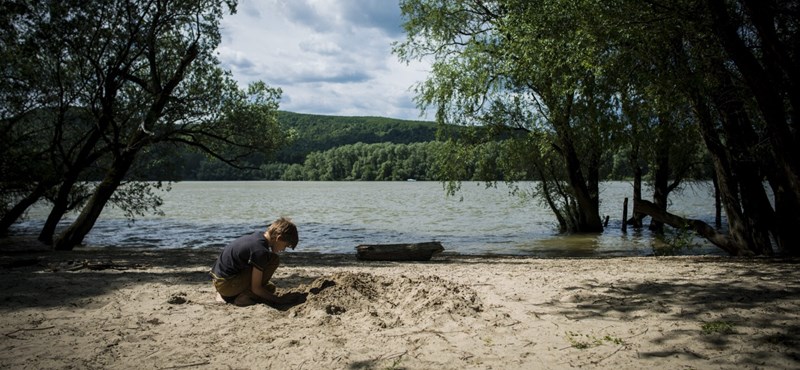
point(329, 56)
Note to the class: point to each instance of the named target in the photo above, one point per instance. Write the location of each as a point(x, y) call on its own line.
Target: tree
point(584, 68)
point(48, 135)
point(734, 62)
point(660, 139)
point(521, 66)
point(148, 79)
point(178, 95)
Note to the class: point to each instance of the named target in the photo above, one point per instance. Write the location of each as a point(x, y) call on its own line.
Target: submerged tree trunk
point(660, 179)
point(664, 169)
point(563, 224)
point(584, 187)
point(87, 156)
point(722, 241)
point(74, 234)
point(60, 207)
point(19, 209)
point(636, 219)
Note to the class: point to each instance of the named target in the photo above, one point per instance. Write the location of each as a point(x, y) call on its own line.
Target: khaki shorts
point(231, 287)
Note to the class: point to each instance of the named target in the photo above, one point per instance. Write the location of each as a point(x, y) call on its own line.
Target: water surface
point(334, 217)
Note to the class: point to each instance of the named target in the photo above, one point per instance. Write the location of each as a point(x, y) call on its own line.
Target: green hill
point(316, 133)
point(312, 134)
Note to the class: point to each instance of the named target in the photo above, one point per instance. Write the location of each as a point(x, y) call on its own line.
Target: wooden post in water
point(625, 215)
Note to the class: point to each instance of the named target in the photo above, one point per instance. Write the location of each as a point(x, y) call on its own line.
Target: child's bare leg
point(269, 269)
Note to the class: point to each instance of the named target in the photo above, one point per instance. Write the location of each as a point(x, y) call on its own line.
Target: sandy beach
point(117, 308)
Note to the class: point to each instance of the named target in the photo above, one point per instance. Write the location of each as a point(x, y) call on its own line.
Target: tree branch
point(722, 241)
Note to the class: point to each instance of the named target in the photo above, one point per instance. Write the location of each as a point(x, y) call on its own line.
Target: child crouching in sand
point(242, 271)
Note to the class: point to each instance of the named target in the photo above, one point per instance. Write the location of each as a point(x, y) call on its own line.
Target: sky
point(330, 57)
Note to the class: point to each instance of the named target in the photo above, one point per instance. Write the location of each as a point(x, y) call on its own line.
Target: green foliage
point(519, 66)
point(112, 90)
point(307, 135)
point(717, 327)
point(317, 133)
point(369, 162)
point(675, 241)
point(139, 198)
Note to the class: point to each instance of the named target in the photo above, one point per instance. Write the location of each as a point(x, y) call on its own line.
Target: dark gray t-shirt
point(243, 252)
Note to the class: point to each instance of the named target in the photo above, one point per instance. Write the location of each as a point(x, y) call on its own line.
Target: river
point(334, 217)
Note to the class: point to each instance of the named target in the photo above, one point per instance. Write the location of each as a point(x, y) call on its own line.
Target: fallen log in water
point(398, 252)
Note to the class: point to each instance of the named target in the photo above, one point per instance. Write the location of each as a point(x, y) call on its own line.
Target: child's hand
point(294, 298)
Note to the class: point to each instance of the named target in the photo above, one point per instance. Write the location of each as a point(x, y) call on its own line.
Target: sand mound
point(387, 302)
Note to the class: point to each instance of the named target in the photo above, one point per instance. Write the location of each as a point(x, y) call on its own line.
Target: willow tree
point(48, 137)
point(146, 76)
point(735, 63)
point(168, 87)
point(526, 72)
point(660, 137)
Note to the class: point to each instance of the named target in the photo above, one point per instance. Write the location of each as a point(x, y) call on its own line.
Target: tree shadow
point(752, 301)
point(750, 294)
point(32, 277)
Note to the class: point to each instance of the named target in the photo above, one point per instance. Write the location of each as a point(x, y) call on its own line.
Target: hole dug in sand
point(387, 302)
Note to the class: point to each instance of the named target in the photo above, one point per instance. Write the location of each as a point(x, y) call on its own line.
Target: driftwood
point(722, 241)
point(398, 252)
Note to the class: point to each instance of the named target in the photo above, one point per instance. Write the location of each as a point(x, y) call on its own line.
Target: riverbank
point(154, 308)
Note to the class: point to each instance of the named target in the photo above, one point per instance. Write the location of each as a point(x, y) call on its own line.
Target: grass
point(584, 341)
point(395, 364)
point(717, 327)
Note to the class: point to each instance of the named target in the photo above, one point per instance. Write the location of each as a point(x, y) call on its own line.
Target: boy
point(242, 271)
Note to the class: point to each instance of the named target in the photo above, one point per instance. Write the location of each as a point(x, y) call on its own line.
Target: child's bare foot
point(244, 300)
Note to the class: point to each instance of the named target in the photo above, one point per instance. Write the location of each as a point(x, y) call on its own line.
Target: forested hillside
point(314, 134)
point(317, 133)
point(333, 148)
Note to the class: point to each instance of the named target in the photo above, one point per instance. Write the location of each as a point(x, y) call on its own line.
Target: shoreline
point(133, 308)
point(16, 244)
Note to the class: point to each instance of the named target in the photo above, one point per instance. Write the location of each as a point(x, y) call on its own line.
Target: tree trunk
point(19, 209)
point(774, 82)
point(636, 219)
point(660, 173)
point(87, 156)
point(725, 177)
point(783, 68)
point(74, 234)
point(722, 241)
point(742, 145)
point(787, 220)
point(546, 192)
point(60, 207)
point(588, 211)
point(717, 203)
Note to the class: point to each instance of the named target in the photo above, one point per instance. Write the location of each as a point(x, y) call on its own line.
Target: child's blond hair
point(284, 230)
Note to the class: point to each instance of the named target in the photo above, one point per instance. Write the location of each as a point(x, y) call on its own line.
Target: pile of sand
point(385, 302)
